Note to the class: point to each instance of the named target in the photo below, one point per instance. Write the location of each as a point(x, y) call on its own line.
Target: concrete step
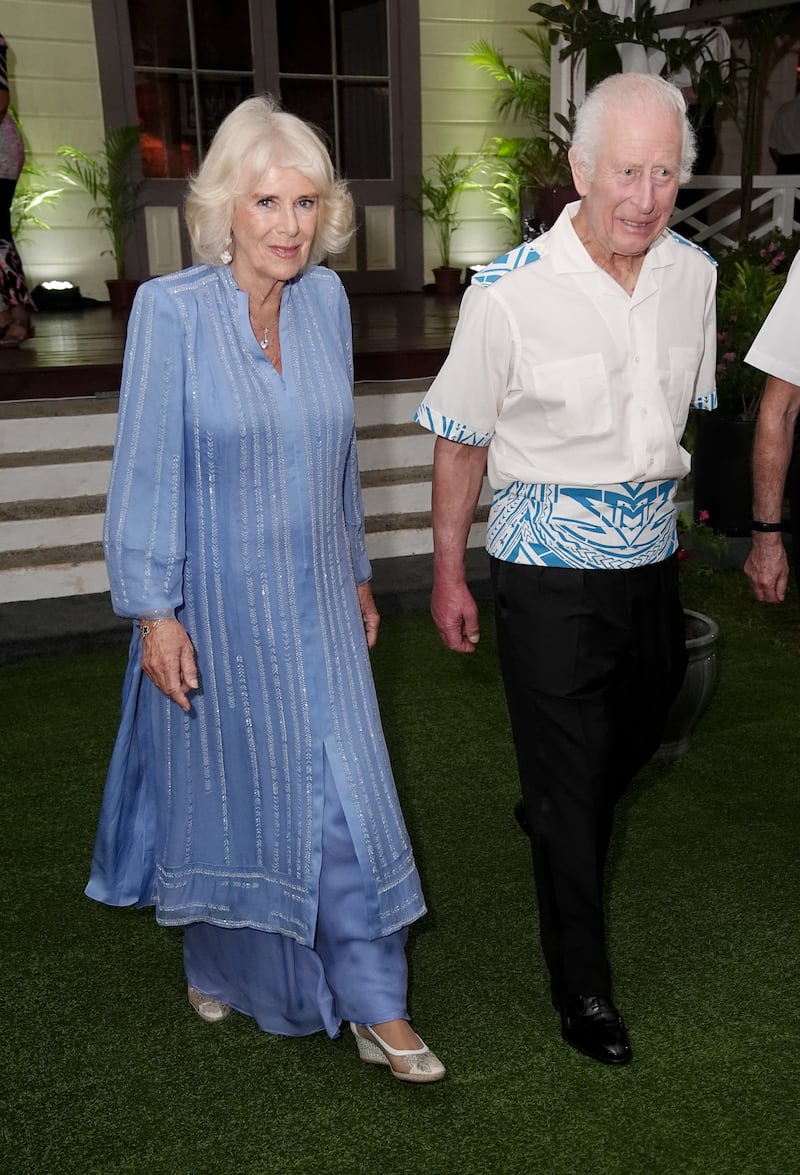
point(55, 461)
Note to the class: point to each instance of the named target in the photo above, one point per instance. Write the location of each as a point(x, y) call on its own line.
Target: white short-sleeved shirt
point(581, 394)
point(776, 347)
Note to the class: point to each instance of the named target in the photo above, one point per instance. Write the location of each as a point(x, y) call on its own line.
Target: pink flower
point(703, 515)
point(682, 554)
point(729, 356)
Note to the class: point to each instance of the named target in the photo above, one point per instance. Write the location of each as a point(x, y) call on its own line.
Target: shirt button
point(636, 359)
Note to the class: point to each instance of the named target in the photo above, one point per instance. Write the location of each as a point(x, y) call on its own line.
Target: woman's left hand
point(369, 614)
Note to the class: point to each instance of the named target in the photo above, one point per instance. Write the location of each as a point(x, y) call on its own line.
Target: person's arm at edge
point(458, 471)
point(766, 566)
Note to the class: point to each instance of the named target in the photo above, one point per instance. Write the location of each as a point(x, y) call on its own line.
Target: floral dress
point(13, 290)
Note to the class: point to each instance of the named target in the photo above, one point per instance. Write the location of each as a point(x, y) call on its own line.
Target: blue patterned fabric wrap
point(593, 527)
point(235, 501)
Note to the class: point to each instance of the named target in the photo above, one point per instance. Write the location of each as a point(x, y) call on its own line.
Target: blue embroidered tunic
point(235, 502)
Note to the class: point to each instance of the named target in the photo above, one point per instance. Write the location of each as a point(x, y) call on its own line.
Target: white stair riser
point(391, 544)
point(404, 497)
point(35, 533)
point(50, 582)
point(54, 481)
point(393, 408)
point(38, 434)
point(46, 583)
point(396, 452)
point(25, 483)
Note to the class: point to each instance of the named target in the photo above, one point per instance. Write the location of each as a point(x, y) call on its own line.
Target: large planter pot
point(120, 294)
point(698, 684)
point(723, 476)
point(540, 208)
point(447, 279)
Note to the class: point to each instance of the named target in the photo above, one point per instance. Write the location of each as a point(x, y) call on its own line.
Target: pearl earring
point(226, 256)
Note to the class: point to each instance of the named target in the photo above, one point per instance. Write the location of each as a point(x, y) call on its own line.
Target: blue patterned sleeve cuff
point(706, 403)
point(451, 430)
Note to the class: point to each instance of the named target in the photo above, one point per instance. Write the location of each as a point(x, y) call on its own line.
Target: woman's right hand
point(168, 660)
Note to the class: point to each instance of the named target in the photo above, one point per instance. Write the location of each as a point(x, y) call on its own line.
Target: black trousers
point(591, 662)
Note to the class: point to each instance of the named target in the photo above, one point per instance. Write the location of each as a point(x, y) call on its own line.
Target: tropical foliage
point(523, 96)
point(31, 195)
point(107, 180)
point(438, 199)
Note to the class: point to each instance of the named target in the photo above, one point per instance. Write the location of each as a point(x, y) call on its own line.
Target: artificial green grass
point(108, 1069)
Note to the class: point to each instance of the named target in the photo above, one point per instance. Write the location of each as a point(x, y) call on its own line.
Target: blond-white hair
point(256, 136)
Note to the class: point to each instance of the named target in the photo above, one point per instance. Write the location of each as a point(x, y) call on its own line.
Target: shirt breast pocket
point(684, 364)
point(575, 395)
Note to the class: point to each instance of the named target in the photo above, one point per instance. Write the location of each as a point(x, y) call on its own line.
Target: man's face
point(629, 199)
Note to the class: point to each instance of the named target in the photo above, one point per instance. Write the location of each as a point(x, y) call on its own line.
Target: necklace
point(264, 341)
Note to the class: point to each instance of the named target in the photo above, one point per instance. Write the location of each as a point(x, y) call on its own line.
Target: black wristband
point(765, 527)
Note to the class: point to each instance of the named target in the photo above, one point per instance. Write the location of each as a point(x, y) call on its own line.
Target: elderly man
point(775, 351)
point(573, 366)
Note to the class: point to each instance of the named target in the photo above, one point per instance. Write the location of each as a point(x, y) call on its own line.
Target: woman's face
point(273, 229)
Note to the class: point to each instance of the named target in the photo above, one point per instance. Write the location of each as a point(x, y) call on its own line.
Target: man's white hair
point(617, 93)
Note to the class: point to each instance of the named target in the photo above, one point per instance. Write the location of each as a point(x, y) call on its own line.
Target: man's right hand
point(767, 568)
point(455, 615)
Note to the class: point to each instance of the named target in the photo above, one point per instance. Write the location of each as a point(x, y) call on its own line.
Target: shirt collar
point(570, 256)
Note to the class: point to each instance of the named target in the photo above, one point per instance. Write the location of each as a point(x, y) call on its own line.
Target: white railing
point(772, 208)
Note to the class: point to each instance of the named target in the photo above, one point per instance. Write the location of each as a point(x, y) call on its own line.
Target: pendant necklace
point(264, 342)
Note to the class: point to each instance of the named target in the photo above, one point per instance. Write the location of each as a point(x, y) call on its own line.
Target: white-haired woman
point(250, 796)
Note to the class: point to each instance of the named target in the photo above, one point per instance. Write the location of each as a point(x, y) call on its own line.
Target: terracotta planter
point(120, 294)
point(698, 685)
point(448, 280)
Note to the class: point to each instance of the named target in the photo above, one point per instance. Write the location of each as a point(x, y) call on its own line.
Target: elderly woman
point(250, 796)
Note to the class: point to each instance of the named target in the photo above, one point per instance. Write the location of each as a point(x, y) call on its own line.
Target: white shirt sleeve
point(465, 399)
point(776, 347)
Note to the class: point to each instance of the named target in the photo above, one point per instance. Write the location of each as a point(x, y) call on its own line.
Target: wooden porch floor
point(79, 353)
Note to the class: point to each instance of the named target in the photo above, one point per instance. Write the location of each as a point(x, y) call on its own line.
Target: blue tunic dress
point(235, 502)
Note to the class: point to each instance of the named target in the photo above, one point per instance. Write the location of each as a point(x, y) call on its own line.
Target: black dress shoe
point(521, 818)
point(593, 1026)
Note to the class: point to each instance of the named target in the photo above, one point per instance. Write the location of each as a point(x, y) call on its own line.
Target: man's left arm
point(766, 566)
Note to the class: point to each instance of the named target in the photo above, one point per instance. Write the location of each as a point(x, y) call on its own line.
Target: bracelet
point(147, 626)
point(765, 527)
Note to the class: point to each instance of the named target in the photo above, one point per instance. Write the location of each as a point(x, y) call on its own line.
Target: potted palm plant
point(437, 203)
point(529, 177)
point(106, 178)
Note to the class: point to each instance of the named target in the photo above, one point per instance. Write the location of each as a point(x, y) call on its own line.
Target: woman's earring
point(226, 256)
